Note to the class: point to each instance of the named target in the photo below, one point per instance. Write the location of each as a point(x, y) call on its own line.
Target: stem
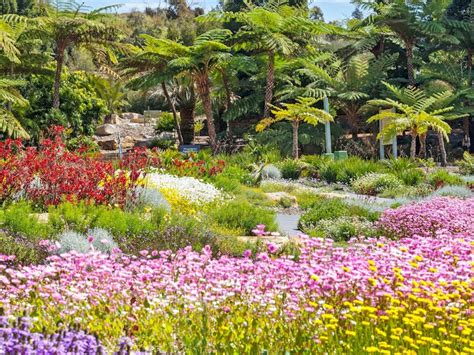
point(175, 114)
point(204, 88)
point(409, 44)
point(57, 75)
point(270, 83)
point(413, 145)
point(442, 149)
point(295, 125)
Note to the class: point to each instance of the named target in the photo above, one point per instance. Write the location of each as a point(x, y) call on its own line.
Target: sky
point(332, 9)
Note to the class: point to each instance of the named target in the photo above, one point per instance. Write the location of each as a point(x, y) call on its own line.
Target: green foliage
point(81, 109)
point(83, 142)
point(466, 165)
point(19, 218)
point(441, 177)
point(290, 169)
point(165, 123)
point(346, 171)
point(342, 229)
point(26, 250)
point(375, 183)
point(242, 216)
point(330, 209)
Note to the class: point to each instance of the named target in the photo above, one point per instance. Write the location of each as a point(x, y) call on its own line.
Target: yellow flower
point(434, 351)
point(371, 349)
point(350, 333)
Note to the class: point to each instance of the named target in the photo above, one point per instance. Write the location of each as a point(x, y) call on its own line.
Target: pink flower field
point(412, 295)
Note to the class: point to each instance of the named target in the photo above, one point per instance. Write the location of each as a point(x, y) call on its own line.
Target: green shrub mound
point(375, 183)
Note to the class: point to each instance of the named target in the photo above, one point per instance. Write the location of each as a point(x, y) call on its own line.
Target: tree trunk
point(422, 152)
point(295, 125)
point(57, 75)
point(270, 83)
point(186, 113)
point(442, 149)
point(466, 120)
point(204, 90)
point(175, 114)
point(409, 45)
point(413, 146)
point(228, 103)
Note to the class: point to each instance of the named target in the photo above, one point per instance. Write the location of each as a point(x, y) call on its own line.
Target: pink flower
point(90, 238)
point(44, 242)
point(272, 248)
point(247, 253)
point(144, 253)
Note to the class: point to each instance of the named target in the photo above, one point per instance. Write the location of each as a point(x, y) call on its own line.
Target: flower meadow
point(377, 295)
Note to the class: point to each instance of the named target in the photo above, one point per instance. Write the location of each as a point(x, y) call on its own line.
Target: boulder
point(278, 196)
point(113, 119)
point(106, 130)
point(108, 144)
point(132, 117)
point(127, 142)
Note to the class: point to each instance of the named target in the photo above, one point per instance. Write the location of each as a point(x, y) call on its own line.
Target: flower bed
point(427, 218)
point(375, 295)
point(189, 188)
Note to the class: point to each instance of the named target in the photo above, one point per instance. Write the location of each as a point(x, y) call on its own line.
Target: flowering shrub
point(18, 339)
point(189, 188)
point(51, 174)
point(427, 218)
point(191, 166)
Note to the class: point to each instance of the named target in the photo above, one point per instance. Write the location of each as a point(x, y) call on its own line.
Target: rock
point(279, 196)
point(113, 119)
point(133, 117)
point(106, 130)
point(127, 142)
point(42, 217)
point(108, 144)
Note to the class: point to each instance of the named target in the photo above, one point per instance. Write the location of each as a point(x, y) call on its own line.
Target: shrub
point(427, 218)
point(243, 216)
point(290, 169)
point(270, 172)
point(102, 241)
point(165, 123)
point(73, 241)
point(327, 209)
point(375, 183)
point(347, 170)
point(141, 197)
point(466, 165)
point(441, 177)
point(19, 218)
point(26, 250)
point(81, 144)
point(342, 229)
point(453, 191)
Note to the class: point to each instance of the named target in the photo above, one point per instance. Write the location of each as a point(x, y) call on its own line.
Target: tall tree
point(68, 27)
point(417, 113)
point(460, 24)
point(303, 111)
point(198, 61)
point(409, 20)
point(273, 29)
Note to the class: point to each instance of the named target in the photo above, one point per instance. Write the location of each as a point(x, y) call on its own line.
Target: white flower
point(189, 188)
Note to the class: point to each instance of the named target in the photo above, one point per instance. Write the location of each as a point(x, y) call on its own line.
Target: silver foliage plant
point(97, 239)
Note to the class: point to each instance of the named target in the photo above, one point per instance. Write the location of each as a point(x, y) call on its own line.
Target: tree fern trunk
point(228, 103)
point(175, 114)
point(466, 120)
point(295, 125)
point(413, 146)
point(422, 152)
point(409, 45)
point(186, 113)
point(270, 83)
point(204, 90)
point(442, 149)
point(57, 76)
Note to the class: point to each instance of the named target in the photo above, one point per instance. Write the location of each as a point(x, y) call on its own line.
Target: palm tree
point(409, 20)
point(296, 113)
point(67, 26)
point(349, 84)
point(273, 29)
point(197, 61)
point(9, 95)
point(417, 113)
